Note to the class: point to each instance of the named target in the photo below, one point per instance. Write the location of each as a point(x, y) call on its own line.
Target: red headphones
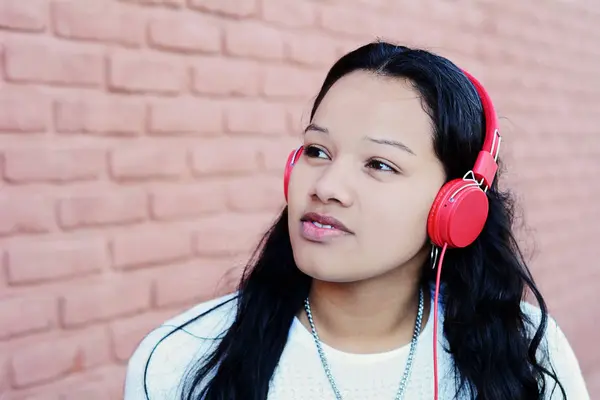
point(460, 208)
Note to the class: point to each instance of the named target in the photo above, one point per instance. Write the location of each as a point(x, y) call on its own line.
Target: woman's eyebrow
point(315, 127)
point(394, 143)
point(389, 142)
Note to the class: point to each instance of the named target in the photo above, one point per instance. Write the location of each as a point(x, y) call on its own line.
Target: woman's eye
point(380, 166)
point(315, 152)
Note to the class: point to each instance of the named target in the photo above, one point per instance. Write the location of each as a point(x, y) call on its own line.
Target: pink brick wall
point(142, 145)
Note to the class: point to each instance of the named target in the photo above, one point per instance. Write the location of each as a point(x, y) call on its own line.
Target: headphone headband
point(486, 165)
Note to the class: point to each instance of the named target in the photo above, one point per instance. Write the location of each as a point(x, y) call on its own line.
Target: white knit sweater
point(300, 375)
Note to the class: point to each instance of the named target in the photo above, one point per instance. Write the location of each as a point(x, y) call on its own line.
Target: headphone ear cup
point(458, 214)
point(291, 160)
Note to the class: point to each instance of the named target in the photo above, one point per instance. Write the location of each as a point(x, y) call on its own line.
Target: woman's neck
point(370, 316)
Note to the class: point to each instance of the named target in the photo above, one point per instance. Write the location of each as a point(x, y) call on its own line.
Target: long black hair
point(488, 334)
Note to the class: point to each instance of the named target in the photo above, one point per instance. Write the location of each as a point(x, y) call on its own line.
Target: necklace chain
point(409, 362)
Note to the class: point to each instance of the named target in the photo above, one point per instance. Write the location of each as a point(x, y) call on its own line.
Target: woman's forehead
point(364, 104)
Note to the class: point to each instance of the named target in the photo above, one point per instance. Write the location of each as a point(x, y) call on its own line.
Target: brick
point(592, 379)
point(224, 157)
point(228, 235)
point(254, 40)
point(137, 162)
point(188, 34)
point(101, 383)
point(27, 62)
point(189, 116)
point(106, 115)
point(233, 8)
point(311, 49)
point(143, 73)
point(4, 376)
point(386, 26)
point(258, 193)
point(47, 164)
point(384, 5)
point(226, 76)
point(289, 13)
point(36, 261)
point(52, 358)
point(106, 383)
point(273, 155)
point(178, 202)
point(100, 209)
point(350, 21)
point(166, 3)
point(98, 21)
point(291, 82)
point(347, 45)
point(26, 314)
point(160, 246)
point(298, 117)
point(126, 333)
point(23, 15)
point(212, 243)
point(244, 116)
point(104, 300)
point(23, 110)
point(196, 283)
point(467, 49)
point(23, 212)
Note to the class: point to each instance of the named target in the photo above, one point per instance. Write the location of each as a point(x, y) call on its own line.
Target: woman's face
point(369, 163)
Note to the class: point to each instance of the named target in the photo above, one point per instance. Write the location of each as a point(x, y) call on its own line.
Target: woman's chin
point(327, 272)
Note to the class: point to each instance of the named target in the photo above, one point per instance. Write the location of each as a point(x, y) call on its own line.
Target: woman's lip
point(325, 220)
point(313, 233)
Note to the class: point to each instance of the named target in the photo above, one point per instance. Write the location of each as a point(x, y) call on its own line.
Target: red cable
point(435, 321)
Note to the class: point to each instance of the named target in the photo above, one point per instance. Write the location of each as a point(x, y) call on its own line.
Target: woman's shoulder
point(554, 337)
point(557, 354)
point(164, 354)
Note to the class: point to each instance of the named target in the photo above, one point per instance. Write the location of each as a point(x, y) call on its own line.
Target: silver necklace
point(409, 362)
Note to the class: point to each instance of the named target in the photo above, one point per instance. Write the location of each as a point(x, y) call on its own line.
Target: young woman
point(346, 296)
